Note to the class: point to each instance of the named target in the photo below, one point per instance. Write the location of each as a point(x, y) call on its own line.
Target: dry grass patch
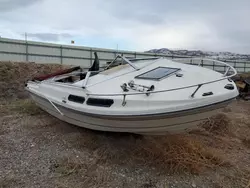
point(179, 153)
point(218, 124)
point(91, 174)
point(171, 153)
point(26, 106)
point(68, 166)
point(13, 76)
point(244, 75)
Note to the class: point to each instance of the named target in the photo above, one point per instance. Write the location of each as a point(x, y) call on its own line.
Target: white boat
point(154, 96)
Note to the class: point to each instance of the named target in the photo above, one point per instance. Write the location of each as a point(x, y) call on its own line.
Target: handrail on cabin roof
point(125, 59)
point(173, 89)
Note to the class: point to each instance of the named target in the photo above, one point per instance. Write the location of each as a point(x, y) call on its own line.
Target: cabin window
point(158, 73)
point(100, 102)
point(77, 99)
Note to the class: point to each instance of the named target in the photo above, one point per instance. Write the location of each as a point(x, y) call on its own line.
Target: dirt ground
point(37, 150)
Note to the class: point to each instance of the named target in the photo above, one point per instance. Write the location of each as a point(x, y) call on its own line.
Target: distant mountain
point(199, 53)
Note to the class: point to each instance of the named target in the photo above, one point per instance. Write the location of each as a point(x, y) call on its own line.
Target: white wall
point(20, 50)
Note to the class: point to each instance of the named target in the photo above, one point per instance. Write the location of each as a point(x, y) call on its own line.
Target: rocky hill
point(198, 53)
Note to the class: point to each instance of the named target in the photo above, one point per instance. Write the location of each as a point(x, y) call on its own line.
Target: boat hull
point(155, 124)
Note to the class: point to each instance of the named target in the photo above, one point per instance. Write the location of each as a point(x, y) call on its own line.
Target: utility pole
point(26, 36)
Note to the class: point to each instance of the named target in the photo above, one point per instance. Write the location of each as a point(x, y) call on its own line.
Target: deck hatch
point(207, 94)
point(75, 98)
point(157, 73)
point(229, 87)
point(100, 102)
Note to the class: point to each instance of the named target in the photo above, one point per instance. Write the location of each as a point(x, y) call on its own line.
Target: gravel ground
point(37, 150)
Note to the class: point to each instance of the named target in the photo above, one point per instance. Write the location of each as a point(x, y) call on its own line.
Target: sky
point(140, 25)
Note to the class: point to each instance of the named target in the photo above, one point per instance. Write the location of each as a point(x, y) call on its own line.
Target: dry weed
point(26, 106)
point(13, 77)
point(180, 152)
point(218, 124)
point(92, 174)
point(227, 109)
point(173, 153)
point(67, 166)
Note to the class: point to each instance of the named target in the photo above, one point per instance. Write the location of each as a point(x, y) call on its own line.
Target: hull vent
point(77, 99)
point(100, 102)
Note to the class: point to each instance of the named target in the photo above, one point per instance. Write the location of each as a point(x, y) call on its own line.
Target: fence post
point(61, 54)
point(26, 51)
point(90, 57)
point(135, 54)
point(213, 65)
point(244, 66)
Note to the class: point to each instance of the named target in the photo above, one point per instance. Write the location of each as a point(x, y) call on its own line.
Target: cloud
point(48, 36)
point(7, 5)
point(133, 24)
